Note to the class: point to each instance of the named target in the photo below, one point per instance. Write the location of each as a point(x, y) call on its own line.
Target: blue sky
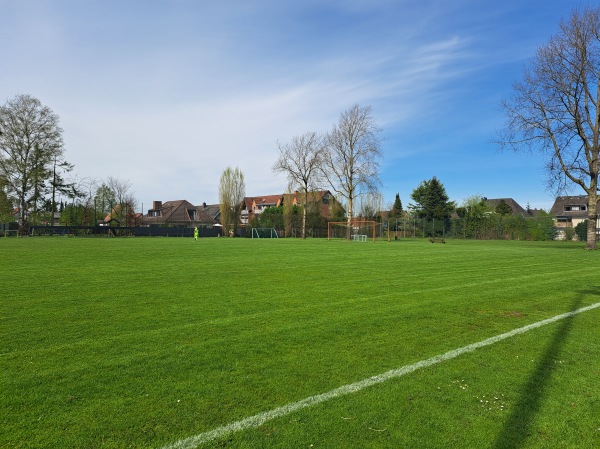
point(167, 94)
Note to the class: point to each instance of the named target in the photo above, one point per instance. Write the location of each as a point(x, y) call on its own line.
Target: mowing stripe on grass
point(261, 418)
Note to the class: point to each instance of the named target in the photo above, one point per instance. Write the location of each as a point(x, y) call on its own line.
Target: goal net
point(357, 231)
point(264, 233)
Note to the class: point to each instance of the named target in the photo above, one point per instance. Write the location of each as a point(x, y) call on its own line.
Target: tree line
point(555, 108)
point(34, 171)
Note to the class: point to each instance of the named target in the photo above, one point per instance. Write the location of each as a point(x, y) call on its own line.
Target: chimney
point(156, 205)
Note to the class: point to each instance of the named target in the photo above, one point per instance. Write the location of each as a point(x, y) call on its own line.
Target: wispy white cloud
point(167, 94)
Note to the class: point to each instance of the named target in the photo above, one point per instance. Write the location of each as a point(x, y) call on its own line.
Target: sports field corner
point(262, 418)
point(171, 343)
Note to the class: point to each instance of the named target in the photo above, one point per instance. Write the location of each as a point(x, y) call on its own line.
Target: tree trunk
point(349, 219)
point(304, 212)
point(592, 220)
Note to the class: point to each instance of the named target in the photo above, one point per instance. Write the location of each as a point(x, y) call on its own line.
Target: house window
point(192, 214)
point(564, 219)
point(576, 207)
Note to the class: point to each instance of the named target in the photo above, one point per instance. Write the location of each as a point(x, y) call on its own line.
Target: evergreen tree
point(396, 211)
point(503, 208)
point(431, 200)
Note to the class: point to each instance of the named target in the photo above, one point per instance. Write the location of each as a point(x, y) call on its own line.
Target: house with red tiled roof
point(320, 198)
point(255, 205)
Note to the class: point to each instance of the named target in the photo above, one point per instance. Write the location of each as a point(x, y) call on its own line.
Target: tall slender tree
point(301, 160)
point(59, 186)
point(396, 211)
point(232, 191)
point(351, 159)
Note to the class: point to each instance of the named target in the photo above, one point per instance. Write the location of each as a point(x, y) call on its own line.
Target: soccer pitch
point(147, 342)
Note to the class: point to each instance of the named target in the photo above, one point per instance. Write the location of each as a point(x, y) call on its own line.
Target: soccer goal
point(357, 231)
point(264, 233)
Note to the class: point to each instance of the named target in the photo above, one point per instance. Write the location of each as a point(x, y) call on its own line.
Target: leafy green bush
point(581, 230)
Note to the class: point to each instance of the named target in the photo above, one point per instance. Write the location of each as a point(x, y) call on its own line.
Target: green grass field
point(141, 342)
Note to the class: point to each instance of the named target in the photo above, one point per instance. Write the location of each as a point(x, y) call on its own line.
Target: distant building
point(255, 205)
point(212, 210)
point(516, 208)
point(569, 211)
point(177, 213)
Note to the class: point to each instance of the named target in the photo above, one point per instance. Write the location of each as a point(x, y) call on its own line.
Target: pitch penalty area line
point(260, 418)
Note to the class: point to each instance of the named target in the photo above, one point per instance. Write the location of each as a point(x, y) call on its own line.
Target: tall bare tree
point(300, 160)
point(232, 191)
point(556, 108)
point(30, 142)
point(351, 159)
point(124, 208)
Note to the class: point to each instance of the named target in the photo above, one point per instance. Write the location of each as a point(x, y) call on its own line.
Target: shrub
point(581, 230)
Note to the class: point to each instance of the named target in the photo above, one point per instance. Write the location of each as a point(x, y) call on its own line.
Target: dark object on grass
point(432, 240)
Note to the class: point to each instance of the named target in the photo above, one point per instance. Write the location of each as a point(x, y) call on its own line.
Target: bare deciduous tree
point(124, 209)
point(232, 191)
point(351, 159)
point(556, 108)
point(300, 160)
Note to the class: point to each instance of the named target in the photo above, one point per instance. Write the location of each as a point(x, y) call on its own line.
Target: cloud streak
point(168, 94)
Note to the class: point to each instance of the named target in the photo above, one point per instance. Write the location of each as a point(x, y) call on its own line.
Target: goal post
point(358, 230)
point(264, 233)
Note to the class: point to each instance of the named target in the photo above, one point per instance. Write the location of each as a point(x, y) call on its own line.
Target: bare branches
point(232, 191)
point(351, 162)
point(347, 158)
point(556, 107)
point(301, 161)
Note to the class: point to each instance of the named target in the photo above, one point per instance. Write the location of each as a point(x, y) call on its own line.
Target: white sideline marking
point(261, 418)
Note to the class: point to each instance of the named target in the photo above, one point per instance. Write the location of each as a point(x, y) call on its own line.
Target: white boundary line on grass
point(261, 418)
